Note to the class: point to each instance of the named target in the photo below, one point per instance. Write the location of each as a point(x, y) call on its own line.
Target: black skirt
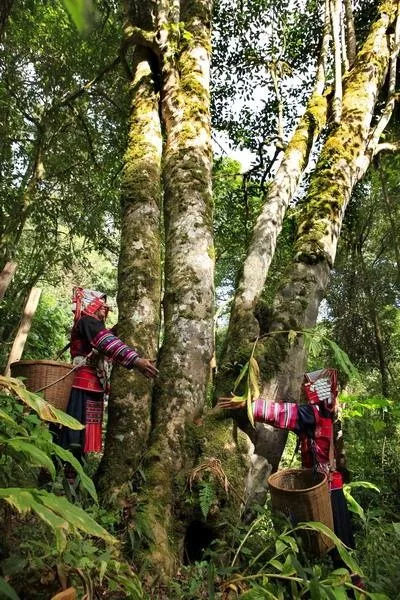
point(72, 439)
point(341, 518)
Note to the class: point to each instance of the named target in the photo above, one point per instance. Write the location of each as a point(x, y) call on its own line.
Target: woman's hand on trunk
point(146, 367)
point(231, 403)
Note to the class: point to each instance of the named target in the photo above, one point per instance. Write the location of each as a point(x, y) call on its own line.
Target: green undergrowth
point(52, 534)
point(372, 434)
point(264, 559)
point(269, 563)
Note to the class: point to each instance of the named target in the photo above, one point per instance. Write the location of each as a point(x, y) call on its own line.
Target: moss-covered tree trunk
point(319, 225)
point(189, 264)
point(139, 280)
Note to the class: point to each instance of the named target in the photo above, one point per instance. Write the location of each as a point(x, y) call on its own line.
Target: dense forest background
point(107, 180)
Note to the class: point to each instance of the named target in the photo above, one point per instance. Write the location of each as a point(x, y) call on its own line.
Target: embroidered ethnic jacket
point(88, 334)
point(314, 429)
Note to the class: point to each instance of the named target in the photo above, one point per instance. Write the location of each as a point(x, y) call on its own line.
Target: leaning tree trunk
point(342, 156)
point(5, 9)
point(243, 326)
point(12, 229)
point(6, 276)
point(139, 281)
point(189, 264)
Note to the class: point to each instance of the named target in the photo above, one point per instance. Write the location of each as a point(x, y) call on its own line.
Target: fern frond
point(207, 496)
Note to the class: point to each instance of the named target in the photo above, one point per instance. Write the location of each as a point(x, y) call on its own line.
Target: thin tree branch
point(345, 59)
point(85, 127)
point(335, 7)
point(273, 67)
point(71, 96)
point(351, 42)
point(101, 94)
point(387, 147)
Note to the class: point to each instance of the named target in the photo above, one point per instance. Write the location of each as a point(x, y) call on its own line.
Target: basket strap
point(64, 376)
point(57, 380)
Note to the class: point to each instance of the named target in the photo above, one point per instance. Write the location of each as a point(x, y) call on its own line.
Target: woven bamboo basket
point(39, 374)
point(303, 495)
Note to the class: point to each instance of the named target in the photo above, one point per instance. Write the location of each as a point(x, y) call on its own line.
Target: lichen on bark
point(188, 301)
point(139, 282)
point(343, 152)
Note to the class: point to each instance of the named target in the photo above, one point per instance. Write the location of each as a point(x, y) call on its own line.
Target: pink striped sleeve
point(283, 415)
point(107, 343)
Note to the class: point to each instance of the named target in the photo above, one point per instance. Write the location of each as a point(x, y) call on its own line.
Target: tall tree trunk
point(5, 9)
point(243, 326)
point(319, 225)
point(351, 42)
point(139, 281)
point(189, 263)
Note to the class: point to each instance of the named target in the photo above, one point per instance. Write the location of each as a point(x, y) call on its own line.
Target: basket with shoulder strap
point(52, 378)
point(303, 495)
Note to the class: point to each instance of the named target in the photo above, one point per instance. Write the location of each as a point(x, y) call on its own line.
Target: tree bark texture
point(189, 265)
point(335, 7)
point(319, 224)
point(139, 281)
point(344, 150)
point(351, 42)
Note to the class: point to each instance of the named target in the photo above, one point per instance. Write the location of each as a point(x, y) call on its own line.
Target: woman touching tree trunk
point(93, 349)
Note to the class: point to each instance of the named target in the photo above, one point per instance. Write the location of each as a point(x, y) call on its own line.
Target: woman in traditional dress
point(94, 348)
point(320, 437)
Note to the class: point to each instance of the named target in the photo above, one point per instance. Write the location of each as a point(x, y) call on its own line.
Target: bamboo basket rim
point(54, 363)
point(295, 491)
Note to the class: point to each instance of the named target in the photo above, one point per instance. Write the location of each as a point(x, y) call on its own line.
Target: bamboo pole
point(6, 276)
point(24, 327)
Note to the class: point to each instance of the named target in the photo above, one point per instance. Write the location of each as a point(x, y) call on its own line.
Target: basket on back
point(39, 374)
point(303, 495)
